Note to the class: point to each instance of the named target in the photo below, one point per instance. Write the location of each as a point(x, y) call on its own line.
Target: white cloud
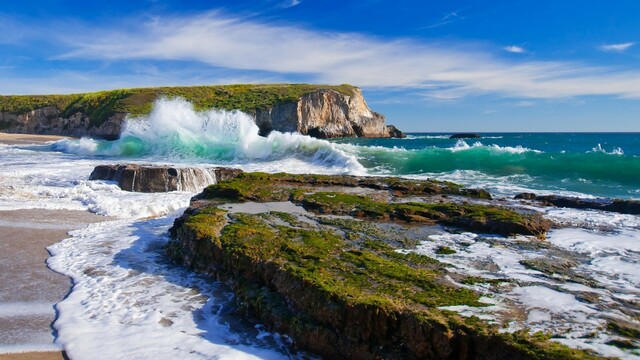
point(292, 3)
point(525, 103)
point(514, 49)
point(439, 70)
point(617, 47)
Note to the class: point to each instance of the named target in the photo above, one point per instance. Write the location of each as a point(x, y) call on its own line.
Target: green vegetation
point(305, 190)
point(252, 186)
point(101, 105)
point(445, 250)
point(344, 285)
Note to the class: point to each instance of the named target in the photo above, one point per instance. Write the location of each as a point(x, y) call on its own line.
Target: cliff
point(318, 110)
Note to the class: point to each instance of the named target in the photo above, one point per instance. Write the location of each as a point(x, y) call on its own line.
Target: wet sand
point(29, 290)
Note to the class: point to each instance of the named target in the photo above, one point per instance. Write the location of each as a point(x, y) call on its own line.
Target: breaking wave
point(175, 131)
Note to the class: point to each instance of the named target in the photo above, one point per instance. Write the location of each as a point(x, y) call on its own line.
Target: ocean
point(128, 301)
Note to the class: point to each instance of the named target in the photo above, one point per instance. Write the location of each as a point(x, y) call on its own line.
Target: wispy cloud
point(447, 19)
point(292, 3)
point(449, 70)
point(514, 49)
point(525, 103)
point(617, 47)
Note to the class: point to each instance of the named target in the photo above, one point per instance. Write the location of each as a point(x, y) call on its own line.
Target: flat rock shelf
point(329, 261)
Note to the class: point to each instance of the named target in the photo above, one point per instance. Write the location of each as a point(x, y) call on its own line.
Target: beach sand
point(19, 139)
point(29, 290)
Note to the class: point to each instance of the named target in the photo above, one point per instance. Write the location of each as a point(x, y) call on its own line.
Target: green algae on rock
point(342, 286)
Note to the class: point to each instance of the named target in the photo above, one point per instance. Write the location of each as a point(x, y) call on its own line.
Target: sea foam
point(175, 131)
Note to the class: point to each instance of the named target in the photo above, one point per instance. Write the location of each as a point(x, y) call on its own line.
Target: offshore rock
point(465, 136)
point(631, 207)
point(153, 178)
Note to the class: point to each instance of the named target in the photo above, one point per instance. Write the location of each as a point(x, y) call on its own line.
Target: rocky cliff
point(49, 120)
point(316, 110)
point(326, 114)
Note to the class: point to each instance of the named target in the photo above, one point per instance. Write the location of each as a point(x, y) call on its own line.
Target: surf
point(174, 131)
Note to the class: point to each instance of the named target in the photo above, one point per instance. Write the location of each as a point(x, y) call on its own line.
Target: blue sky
point(436, 66)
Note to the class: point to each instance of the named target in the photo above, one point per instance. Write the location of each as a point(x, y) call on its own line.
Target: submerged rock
point(631, 207)
point(346, 286)
point(154, 178)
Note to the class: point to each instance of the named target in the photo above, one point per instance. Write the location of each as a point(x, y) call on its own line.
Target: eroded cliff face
point(49, 121)
point(326, 114)
point(323, 114)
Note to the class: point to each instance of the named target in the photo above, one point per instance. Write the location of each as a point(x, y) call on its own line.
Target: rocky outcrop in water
point(631, 207)
point(465, 136)
point(349, 286)
point(153, 178)
point(49, 120)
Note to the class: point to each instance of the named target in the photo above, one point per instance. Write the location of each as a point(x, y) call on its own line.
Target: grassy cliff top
point(100, 105)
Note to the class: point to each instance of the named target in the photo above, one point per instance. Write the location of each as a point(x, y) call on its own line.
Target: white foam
point(614, 151)
point(128, 302)
point(174, 130)
point(462, 145)
point(547, 303)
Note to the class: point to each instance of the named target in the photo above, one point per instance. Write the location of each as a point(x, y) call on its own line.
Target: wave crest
point(174, 130)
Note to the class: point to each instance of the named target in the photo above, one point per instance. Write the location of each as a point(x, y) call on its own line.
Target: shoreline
point(27, 300)
point(24, 139)
point(27, 233)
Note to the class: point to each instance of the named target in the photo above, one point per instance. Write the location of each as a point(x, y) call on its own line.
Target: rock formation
point(153, 178)
point(465, 136)
point(49, 120)
point(631, 207)
point(348, 286)
point(320, 112)
point(326, 114)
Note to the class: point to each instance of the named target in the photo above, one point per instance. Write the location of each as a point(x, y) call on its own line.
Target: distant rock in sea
point(465, 136)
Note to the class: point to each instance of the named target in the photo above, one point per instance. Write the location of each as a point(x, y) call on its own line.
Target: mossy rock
point(347, 287)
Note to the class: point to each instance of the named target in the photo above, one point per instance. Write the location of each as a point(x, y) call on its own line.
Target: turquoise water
point(581, 164)
point(599, 164)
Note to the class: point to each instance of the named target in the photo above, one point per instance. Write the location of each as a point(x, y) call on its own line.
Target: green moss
point(326, 273)
point(471, 280)
point(325, 261)
point(624, 330)
point(298, 184)
point(445, 250)
point(101, 105)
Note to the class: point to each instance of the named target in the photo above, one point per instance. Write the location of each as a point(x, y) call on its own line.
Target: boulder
point(155, 178)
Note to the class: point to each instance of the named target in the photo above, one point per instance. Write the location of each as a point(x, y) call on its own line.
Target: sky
point(432, 66)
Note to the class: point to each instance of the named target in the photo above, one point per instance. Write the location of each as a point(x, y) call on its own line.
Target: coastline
point(27, 299)
point(24, 139)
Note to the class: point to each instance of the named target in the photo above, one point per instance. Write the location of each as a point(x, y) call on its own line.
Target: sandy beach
point(19, 139)
point(29, 289)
